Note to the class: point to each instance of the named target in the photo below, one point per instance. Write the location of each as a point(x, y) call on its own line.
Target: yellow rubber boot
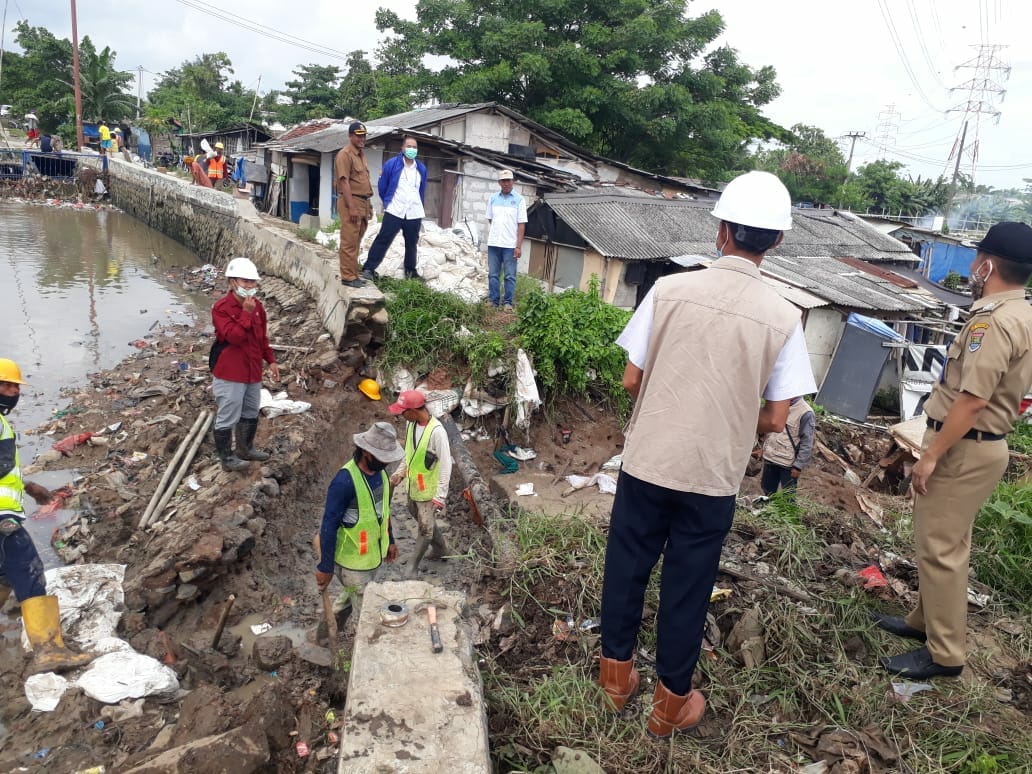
point(42, 621)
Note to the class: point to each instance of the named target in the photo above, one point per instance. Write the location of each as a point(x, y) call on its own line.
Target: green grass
point(1002, 540)
point(820, 672)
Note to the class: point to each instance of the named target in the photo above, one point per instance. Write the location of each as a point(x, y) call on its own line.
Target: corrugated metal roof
point(843, 285)
point(429, 115)
point(633, 227)
point(619, 224)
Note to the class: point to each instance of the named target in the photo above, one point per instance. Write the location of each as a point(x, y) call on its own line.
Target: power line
point(268, 32)
point(901, 52)
point(920, 40)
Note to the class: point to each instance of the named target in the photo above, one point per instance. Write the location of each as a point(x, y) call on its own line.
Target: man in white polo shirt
point(507, 218)
point(703, 348)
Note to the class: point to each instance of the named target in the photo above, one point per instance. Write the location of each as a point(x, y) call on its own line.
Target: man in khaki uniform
point(987, 372)
point(354, 191)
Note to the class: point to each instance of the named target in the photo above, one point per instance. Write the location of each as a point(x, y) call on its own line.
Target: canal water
point(78, 286)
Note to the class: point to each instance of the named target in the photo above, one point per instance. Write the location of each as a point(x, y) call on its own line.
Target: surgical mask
point(8, 402)
point(410, 153)
point(978, 283)
point(246, 292)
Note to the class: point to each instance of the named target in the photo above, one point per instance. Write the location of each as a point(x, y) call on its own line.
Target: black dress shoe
point(893, 624)
point(357, 282)
point(918, 665)
point(414, 275)
point(370, 276)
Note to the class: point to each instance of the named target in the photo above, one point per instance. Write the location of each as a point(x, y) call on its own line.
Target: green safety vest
point(12, 488)
point(422, 483)
point(364, 546)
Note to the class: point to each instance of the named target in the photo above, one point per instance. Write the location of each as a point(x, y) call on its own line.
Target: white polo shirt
point(505, 212)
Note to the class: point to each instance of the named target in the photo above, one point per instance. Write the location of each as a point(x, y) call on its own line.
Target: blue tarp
point(869, 324)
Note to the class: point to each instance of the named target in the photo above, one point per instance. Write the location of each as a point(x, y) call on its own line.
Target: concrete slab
point(410, 709)
point(588, 502)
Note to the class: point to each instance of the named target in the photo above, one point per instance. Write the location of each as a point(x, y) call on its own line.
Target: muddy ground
point(249, 535)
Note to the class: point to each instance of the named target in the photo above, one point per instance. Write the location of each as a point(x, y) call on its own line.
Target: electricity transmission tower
point(983, 89)
point(887, 128)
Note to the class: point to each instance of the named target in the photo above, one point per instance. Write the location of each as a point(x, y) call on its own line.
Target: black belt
point(972, 434)
point(359, 196)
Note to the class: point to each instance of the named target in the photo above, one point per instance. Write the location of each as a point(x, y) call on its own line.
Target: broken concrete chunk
point(271, 651)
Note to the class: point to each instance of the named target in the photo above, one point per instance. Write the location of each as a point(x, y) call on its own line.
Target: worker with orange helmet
point(20, 565)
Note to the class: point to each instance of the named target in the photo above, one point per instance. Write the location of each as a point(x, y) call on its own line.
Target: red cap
point(409, 399)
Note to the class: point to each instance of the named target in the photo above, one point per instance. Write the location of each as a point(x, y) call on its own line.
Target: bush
point(572, 338)
point(308, 234)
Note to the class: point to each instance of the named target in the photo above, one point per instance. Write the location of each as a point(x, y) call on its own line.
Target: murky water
point(77, 286)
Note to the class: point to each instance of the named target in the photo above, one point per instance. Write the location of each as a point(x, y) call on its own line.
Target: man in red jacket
point(241, 344)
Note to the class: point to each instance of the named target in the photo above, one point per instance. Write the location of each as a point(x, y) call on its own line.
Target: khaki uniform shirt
point(716, 335)
point(351, 164)
point(990, 359)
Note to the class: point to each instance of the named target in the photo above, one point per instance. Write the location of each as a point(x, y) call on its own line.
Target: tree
point(33, 79)
point(104, 89)
point(629, 79)
point(200, 95)
point(313, 94)
point(810, 164)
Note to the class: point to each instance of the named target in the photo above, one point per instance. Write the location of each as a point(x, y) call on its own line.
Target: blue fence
point(17, 164)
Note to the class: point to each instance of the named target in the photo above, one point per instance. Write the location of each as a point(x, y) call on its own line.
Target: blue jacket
point(391, 174)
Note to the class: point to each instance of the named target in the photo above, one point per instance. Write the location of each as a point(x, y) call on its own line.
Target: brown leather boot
point(619, 680)
point(671, 712)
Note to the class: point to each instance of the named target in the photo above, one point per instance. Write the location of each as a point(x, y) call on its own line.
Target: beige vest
point(716, 335)
point(778, 447)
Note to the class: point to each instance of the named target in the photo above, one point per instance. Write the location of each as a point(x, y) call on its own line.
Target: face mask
point(978, 283)
point(8, 402)
point(246, 292)
point(410, 153)
point(721, 246)
point(374, 464)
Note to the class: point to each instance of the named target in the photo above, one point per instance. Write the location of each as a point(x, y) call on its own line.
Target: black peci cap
point(1009, 240)
point(357, 127)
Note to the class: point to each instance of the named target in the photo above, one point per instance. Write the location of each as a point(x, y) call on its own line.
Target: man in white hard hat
point(703, 349)
point(241, 345)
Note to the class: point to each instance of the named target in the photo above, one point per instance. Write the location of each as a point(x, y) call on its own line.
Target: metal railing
point(16, 164)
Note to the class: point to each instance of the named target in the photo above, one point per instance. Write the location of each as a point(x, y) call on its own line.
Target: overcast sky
point(881, 67)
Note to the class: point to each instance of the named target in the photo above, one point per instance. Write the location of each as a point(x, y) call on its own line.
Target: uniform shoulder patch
point(978, 331)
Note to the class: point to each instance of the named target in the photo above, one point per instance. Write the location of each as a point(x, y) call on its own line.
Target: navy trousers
point(688, 530)
point(776, 477)
point(20, 565)
point(388, 230)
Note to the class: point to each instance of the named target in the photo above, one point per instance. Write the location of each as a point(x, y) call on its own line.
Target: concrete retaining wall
point(218, 226)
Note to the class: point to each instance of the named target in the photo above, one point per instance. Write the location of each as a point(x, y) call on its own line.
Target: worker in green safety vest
point(355, 538)
point(427, 466)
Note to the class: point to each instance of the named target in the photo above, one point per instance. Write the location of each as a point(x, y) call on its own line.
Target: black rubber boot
point(224, 448)
point(245, 431)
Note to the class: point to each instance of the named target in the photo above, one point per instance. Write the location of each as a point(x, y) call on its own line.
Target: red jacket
point(247, 337)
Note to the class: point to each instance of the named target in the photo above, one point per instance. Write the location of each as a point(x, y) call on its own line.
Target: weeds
point(308, 233)
point(572, 338)
point(819, 674)
point(1002, 536)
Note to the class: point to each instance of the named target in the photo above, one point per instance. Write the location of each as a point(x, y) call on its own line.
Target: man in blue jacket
point(402, 188)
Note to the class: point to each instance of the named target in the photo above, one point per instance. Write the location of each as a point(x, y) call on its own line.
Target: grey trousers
point(235, 401)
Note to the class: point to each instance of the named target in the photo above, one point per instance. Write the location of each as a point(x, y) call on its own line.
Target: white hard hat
point(242, 268)
point(756, 199)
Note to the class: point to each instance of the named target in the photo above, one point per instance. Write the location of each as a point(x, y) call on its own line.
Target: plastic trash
point(279, 404)
point(260, 629)
point(606, 483)
point(125, 675)
point(44, 691)
point(526, 490)
point(873, 578)
point(66, 445)
point(521, 454)
point(906, 691)
point(302, 749)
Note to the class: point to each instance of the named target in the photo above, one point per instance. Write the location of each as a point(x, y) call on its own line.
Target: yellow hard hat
point(9, 372)
point(369, 388)
point(219, 145)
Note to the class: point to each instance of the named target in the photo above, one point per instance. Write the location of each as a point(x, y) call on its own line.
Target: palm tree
point(103, 87)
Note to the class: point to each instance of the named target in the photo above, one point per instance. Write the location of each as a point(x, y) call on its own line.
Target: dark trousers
point(388, 230)
point(688, 530)
point(776, 477)
point(20, 565)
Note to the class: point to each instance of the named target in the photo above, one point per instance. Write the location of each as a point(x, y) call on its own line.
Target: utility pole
point(953, 183)
point(80, 142)
point(255, 103)
point(139, 89)
point(853, 137)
